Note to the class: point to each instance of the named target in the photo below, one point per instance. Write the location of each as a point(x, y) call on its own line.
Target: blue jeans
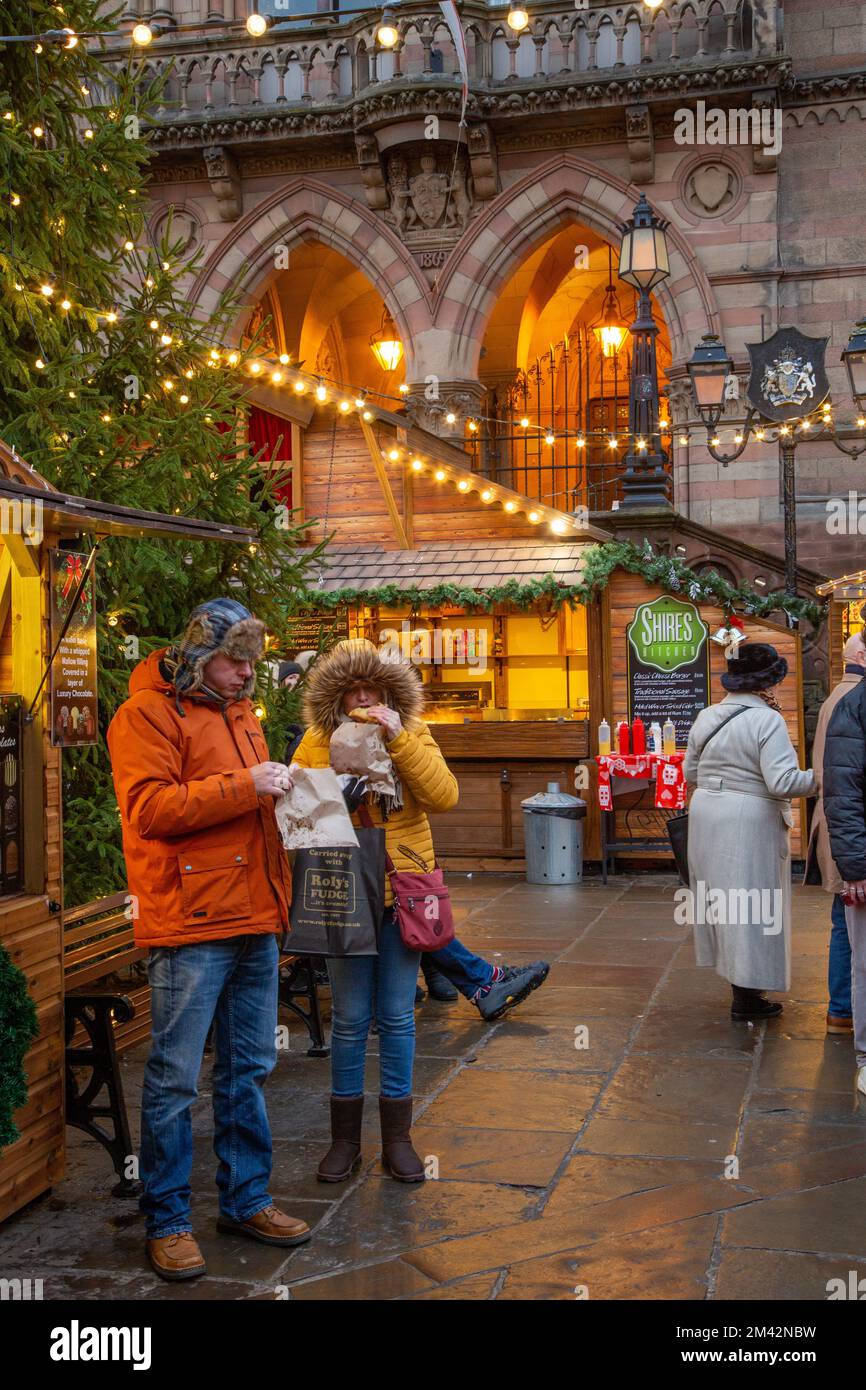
point(466, 971)
point(233, 983)
point(839, 971)
point(358, 985)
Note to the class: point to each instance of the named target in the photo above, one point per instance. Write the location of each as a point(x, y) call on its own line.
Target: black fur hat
point(756, 666)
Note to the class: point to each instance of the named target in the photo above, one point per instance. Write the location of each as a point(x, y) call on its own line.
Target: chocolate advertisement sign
point(667, 646)
point(11, 857)
point(73, 690)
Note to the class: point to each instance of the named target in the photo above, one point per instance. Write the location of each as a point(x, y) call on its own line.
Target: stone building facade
point(325, 180)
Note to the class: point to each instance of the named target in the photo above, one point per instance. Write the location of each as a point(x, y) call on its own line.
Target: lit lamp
point(610, 330)
point(387, 34)
point(708, 371)
point(257, 25)
point(644, 263)
point(854, 357)
point(385, 344)
point(517, 18)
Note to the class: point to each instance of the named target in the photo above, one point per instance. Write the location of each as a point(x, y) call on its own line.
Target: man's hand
point(271, 779)
point(855, 893)
point(388, 718)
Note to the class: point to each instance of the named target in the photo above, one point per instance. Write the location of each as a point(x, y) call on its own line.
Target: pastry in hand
point(362, 716)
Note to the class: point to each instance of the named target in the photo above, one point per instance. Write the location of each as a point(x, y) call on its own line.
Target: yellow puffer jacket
point(428, 785)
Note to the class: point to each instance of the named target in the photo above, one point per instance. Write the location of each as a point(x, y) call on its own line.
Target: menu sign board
point(668, 654)
point(11, 858)
point(72, 700)
point(304, 630)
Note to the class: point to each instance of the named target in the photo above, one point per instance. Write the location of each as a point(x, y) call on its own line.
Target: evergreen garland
point(18, 1028)
point(599, 561)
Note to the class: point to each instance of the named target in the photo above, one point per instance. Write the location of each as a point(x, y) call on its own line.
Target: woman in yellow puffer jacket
point(354, 675)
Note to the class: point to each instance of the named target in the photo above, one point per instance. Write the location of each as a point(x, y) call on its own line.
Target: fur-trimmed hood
point(351, 662)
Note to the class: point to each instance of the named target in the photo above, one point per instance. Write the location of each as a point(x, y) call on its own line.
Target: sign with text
point(668, 655)
point(73, 698)
point(303, 631)
point(11, 858)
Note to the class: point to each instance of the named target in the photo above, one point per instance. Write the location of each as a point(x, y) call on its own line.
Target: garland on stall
point(598, 563)
point(18, 1028)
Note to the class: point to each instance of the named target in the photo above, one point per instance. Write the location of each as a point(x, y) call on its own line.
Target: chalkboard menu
point(11, 856)
point(304, 630)
point(73, 671)
point(668, 654)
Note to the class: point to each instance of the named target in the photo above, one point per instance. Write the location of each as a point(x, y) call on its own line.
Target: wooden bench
point(107, 1011)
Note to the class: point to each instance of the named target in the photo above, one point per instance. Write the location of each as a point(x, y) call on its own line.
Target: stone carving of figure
point(401, 211)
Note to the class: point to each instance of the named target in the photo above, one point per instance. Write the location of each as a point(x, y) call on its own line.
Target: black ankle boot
point(439, 985)
point(750, 1005)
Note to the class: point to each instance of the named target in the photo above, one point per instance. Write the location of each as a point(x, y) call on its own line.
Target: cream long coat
point(739, 850)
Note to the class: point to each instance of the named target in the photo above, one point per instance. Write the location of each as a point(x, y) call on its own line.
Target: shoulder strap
point(741, 709)
point(367, 821)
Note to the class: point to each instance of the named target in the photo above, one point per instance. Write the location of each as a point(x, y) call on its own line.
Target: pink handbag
point(422, 903)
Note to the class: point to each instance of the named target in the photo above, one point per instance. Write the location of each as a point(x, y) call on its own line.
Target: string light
point(321, 392)
point(533, 516)
point(524, 423)
point(451, 418)
point(393, 455)
point(439, 475)
point(463, 485)
point(487, 495)
point(417, 465)
point(550, 439)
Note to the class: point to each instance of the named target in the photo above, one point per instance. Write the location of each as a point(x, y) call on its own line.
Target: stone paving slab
point(585, 1140)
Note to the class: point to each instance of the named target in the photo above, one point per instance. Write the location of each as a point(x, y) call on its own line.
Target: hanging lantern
point(610, 330)
point(385, 344)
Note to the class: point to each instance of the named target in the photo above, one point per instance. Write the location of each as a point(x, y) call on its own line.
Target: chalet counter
point(498, 765)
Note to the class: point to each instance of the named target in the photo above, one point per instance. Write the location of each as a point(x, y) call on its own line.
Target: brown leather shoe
point(271, 1226)
point(839, 1025)
point(176, 1257)
point(398, 1156)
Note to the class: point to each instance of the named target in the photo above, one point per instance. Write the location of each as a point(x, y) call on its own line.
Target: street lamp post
point(644, 263)
point(787, 374)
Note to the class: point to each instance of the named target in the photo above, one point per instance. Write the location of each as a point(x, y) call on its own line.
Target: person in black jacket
point(287, 678)
point(844, 790)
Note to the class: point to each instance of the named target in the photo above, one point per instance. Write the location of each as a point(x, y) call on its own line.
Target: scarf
point(769, 699)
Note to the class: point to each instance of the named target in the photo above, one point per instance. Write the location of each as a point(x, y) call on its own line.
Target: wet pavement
point(615, 1137)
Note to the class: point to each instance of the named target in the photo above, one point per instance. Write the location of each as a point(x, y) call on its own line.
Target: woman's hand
point(388, 718)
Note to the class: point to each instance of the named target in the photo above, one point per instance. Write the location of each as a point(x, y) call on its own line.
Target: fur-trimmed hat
point(354, 662)
point(221, 625)
point(756, 666)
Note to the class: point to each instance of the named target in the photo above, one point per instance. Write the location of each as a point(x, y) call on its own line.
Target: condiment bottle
point(604, 737)
point(669, 737)
point(623, 737)
point(638, 735)
point(656, 737)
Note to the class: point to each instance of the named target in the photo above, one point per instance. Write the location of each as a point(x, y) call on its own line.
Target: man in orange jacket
point(212, 887)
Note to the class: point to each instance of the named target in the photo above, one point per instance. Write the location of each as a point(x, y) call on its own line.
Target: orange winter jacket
point(203, 854)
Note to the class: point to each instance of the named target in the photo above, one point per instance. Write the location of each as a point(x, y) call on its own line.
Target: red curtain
point(264, 431)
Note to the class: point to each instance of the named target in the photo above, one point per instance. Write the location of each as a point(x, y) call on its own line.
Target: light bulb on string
point(451, 418)
point(463, 485)
point(321, 391)
point(439, 475)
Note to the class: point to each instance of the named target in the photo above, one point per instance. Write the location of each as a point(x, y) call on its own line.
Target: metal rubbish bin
point(553, 836)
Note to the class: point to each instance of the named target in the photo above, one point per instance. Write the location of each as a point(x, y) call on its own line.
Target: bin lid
point(554, 802)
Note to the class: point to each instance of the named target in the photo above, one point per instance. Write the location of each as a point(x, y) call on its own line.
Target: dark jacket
point(843, 784)
point(294, 734)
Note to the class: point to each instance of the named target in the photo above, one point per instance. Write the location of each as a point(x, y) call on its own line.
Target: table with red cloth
point(666, 768)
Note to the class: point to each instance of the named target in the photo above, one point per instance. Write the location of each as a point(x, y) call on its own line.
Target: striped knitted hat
point(222, 625)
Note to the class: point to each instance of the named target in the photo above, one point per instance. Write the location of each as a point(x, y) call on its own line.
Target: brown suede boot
point(398, 1157)
point(344, 1155)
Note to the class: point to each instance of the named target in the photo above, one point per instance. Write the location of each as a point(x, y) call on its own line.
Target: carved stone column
point(429, 404)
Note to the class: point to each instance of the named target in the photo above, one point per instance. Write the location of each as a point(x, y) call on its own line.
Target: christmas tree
point(113, 386)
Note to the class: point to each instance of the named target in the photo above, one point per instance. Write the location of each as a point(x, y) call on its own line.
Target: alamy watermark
point(730, 907)
point(741, 125)
point(439, 646)
point(22, 517)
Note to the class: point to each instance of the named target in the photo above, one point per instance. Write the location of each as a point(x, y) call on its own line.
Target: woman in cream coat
point(739, 823)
